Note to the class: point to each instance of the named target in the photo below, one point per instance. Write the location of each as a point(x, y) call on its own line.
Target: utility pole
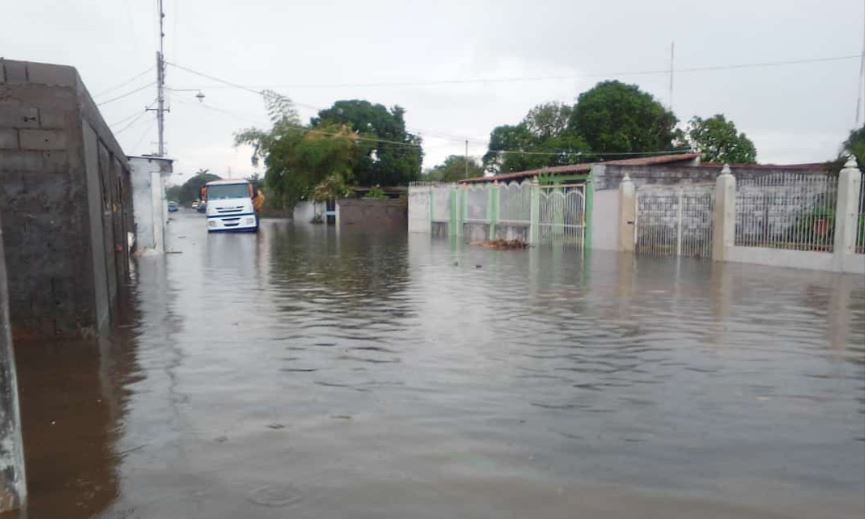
point(467, 158)
point(672, 56)
point(160, 83)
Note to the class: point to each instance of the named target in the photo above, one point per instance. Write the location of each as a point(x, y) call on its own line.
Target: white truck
point(230, 206)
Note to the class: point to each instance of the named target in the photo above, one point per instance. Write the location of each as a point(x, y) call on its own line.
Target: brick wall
point(64, 201)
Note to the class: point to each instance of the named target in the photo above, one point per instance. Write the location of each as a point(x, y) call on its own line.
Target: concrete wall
point(148, 201)
point(65, 202)
point(605, 220)
point(373, 213)
point(305, 211)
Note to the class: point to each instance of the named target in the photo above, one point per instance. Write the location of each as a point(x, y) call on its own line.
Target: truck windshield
point(223, 191)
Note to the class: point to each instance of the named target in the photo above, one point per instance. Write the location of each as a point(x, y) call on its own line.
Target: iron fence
point(515, 203)
point(787, 211)
point(860, 221)
point(674, 221)
point(562, 218)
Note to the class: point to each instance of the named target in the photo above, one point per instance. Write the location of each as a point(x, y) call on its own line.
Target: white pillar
point(535, 213)
point(847, 211)
point(158, 211)
point(724, 215)
point(627, 214)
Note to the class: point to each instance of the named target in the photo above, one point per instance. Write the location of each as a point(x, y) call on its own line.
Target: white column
point(847, 211)
point(724, 216)
point(535, 213)
point(157, 212)
point(627, 214)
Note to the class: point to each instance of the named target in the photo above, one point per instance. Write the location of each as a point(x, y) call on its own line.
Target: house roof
point(583, 168)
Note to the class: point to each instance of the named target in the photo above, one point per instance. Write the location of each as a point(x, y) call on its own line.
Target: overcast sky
point(795, 113)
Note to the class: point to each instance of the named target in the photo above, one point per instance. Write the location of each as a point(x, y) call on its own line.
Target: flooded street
point(307, 373)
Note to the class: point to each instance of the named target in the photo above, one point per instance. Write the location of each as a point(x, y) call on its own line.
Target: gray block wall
point(609, 176)
point(64, 200)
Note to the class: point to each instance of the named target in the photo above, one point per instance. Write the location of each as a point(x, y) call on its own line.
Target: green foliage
point(191, 189)
point(518, 148)
point(298, 159)
point(331, 188)
point(375, 193)
point(454, 169)
point(717, 140)
point(614, 118)
point(172, 193)
point(548, 120)
point(393, 156)
point(855, 145)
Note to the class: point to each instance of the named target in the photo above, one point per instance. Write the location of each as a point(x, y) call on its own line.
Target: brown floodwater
point(307, 373)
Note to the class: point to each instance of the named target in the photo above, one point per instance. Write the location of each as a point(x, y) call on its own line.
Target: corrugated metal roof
point(584, 168)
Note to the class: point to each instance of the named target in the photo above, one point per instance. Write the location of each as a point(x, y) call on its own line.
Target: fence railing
point(787, 211)
point(517, 211)
point(674, 221)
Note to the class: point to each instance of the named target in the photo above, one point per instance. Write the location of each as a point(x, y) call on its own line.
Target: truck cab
point(230, 206)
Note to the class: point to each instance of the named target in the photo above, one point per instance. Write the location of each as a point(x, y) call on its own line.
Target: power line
point(121, 85)
point(431, 82)
point(130, 116)
point(126, 94)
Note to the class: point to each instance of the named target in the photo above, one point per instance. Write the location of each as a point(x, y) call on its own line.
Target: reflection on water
point(306, 373)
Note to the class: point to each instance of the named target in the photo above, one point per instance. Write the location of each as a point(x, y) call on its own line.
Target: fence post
point(847, 210)
point(453, 219)
point(13, 488)
point(724, 214)
point(535, 213)
point(627, 215)
point(492, 209)
point(679, 198)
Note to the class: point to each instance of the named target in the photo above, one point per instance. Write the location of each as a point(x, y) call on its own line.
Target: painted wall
point(605, 220)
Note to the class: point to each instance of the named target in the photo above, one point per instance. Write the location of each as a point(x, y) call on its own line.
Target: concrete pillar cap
point(726, 170)
point(851, 163)
point(627, 178)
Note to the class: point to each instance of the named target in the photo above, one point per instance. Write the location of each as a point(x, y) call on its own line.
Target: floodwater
point(309, 374)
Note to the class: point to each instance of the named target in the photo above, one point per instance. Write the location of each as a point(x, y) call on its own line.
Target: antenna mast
point(160, 83)
point(672, 55)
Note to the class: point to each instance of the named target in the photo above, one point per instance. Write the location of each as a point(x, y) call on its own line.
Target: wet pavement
point(305, 373)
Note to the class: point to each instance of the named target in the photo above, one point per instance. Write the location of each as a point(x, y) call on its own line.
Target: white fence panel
point(562, 218)
point(515, 203)
point(478, 201)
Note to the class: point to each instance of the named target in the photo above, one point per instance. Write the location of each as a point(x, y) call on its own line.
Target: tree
point(172, 193)
point(298, 158)
point(517, 148)
point(717, 140)
point(190, 189)
point(454, 168)
point(855, 145)
point(614, 118)
point(548, 120)
point(393, 157)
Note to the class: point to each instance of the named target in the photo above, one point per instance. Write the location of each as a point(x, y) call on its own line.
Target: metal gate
point(562, 214)
point(674, 221)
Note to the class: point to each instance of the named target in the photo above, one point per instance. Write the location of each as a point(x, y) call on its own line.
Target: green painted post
point(432, 206)
point(535, 214)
